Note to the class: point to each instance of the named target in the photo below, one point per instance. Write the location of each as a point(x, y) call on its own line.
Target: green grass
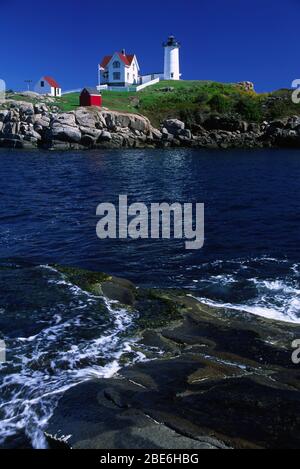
point(190, 101)
point(115, 101)
point(18, 97)
point(68, 102)
point(120, 101)
point(186, 99)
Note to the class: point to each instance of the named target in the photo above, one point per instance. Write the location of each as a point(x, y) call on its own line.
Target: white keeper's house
point(121, 71)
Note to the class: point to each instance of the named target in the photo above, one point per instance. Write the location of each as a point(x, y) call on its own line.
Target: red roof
point(126, 59)
point(106, 61)
point(52, 82)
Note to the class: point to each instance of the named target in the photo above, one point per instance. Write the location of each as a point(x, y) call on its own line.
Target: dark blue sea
point(58, 335)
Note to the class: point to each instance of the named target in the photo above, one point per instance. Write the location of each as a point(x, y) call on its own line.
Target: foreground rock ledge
point(225, 380)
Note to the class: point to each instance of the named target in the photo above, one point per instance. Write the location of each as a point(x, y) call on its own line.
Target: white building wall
point(131, 74)
point(134, 73)
point(111, 70)
point(148, 83)
point(102, 87)
point(172, 66)
point(56, 92)
point(128, 75)
point(42, 90)
point(151, 77)
point(47, 89)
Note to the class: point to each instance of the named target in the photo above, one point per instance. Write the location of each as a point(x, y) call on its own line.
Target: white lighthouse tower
point(172, 68)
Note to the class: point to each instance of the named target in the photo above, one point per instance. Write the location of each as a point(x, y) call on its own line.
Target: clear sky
point(222, 40)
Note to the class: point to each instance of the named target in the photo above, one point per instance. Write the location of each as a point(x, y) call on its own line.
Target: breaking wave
point(264, 286)
point(77, 337)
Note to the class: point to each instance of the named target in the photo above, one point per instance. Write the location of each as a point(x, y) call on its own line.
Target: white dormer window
point(116, 64)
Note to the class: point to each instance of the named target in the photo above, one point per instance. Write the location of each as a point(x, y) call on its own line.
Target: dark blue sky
point(222, 40)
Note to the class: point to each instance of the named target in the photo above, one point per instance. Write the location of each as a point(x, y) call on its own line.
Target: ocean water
point(58, 335)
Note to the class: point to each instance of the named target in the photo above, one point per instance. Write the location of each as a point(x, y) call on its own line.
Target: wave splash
point(266, 287)
point(80, 337)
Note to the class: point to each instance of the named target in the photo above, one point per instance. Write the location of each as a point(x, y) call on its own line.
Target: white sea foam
point(275, 285)
point(256, 309)
point(223, 279)
point(273, 298)
point(39, 372)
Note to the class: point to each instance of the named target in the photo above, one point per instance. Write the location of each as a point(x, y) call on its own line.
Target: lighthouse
point(172, 68)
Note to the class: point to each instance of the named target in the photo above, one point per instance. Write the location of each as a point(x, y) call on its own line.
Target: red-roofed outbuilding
point(90, 97)
point(48, 86)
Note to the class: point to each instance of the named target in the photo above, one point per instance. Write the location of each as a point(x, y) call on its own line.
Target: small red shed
point(90, 97)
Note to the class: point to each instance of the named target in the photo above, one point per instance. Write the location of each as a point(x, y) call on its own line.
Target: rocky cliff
point(27, 125)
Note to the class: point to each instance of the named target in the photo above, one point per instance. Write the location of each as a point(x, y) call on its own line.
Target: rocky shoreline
point(24, 125)
point(212, 379)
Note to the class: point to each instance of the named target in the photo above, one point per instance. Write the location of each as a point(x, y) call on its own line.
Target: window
point(116, 64)
point(128, 76)
point(117, 76)
point(42, 84)
point(172, 75)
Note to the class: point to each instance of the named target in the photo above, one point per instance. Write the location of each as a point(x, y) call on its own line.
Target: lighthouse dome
point(171, 42)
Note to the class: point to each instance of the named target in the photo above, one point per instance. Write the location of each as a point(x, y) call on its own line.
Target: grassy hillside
point(190, 100)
